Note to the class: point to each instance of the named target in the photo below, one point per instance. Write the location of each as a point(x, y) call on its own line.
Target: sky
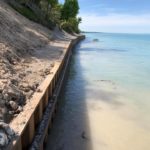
point(119, 16)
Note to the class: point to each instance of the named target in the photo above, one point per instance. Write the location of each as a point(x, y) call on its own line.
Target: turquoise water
point(121, 58)
point(106, 100)
point(124, 58)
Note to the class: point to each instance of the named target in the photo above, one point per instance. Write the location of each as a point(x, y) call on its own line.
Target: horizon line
point(115, 32)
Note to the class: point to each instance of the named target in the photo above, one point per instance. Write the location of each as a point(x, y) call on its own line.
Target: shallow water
point(105, 104)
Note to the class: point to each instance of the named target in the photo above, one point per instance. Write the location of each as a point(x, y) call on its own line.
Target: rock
point(13, 105)
point(3, 138)
point(42, 74)
point(22, 75)
point(12, 93)
point(1, 96)
point(47, 72)
point(95, 40)
point(7, 129)
point(26, 90)
point(6, 96)
point(25, 87)
point(29, 71)
point(2, 71)
point(3, 111)
point(52, 65)
point(34, 86)
point(20, 109)
point(14, 81)
point(29, 94)
point(1, 89)
point(15, 115)
point(14, 62)
point(2, 86)
point(39, 90)
point(6, 134)
point(11, 112)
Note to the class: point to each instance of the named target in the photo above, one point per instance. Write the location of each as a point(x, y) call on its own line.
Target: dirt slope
point(27, 53)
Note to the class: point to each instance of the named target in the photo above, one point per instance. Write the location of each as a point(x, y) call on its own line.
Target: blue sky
point(123, 16)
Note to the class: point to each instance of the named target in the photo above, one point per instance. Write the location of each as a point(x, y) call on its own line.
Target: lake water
point(105, 104)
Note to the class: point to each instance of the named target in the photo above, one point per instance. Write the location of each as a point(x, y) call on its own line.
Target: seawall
point(33, 124)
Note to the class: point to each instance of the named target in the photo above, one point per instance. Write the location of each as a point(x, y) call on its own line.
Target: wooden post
point(50, 89)
point(40, 110)
point(31, 129)
point(28, 134)
point(46, 96)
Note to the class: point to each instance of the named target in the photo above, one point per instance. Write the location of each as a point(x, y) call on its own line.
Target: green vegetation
point(69, 13)
point(25, 11)
point(51, 13)
point(70, 9)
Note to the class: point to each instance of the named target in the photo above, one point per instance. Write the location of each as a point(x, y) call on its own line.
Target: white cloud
point(116, 22)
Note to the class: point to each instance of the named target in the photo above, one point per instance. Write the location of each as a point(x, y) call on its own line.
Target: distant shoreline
point(115, 33)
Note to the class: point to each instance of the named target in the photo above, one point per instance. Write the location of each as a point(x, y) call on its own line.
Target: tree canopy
point(54, 13)
point(70, 9)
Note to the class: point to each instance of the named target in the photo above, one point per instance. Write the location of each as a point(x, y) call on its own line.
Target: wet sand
point(113, 128)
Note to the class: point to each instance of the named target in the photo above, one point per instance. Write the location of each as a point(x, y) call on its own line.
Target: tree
point(70, 9)
point(51, 13)
point(55, 14)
